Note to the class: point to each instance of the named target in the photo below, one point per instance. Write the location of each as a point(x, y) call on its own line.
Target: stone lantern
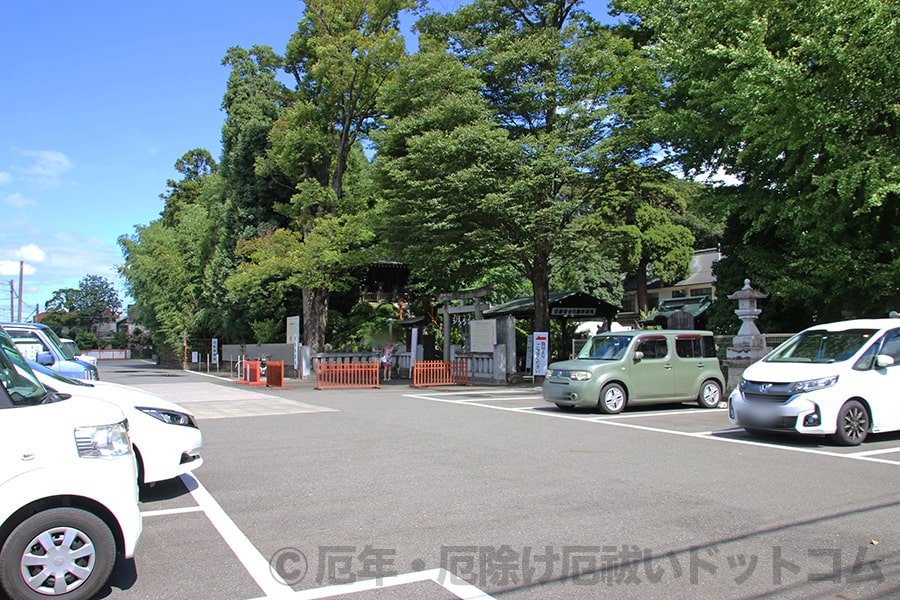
point(749, 344)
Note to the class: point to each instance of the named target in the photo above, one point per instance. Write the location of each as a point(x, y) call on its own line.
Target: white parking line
point(666, 413)
point(503, 399)
point(616, 420)
point(254, 562)
point(447, 580)
point(875, 452)
point(274, 587)
point(170, 511)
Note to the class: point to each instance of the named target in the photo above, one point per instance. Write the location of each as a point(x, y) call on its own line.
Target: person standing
point(387, 360)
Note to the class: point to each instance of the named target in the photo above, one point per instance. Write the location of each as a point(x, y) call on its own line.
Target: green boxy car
point(614, 370)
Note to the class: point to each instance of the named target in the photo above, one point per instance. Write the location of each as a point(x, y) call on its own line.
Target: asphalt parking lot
point(487, 492)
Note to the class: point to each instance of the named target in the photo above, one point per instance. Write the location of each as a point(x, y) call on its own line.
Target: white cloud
point(5, 177)
point(31, 253)
point(9, 268)
point(61, 261)
point(17, 200)
point(47, 166)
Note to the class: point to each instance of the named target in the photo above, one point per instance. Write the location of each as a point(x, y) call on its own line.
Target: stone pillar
point(749, 344)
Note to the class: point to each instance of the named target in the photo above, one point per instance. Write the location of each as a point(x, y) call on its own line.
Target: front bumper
point(798, 414)
point(566, 392)
point(167, 451)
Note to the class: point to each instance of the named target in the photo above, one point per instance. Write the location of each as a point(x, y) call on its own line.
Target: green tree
point(648, 240)
point(194, 165)
point(165, 272)
point(93, 301)
point(798, 101)
point(339, 58)
point(499, 161)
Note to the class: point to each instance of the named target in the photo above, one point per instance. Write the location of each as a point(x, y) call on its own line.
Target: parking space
point(490, 492)
point(686, 419)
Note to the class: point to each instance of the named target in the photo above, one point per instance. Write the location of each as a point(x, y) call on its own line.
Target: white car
point(74, 349)
point(167, 441)
point(68, 498)
point(837, 379)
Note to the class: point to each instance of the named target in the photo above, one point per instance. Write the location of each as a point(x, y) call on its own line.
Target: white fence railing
point(111, 354)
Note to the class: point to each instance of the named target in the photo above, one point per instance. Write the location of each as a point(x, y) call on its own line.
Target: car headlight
point(103, 441)
point(170, 417)
point(579, 375)
point(813, 384)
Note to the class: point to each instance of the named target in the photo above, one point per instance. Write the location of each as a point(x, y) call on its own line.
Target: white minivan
point(68, 491)
point(836, 379)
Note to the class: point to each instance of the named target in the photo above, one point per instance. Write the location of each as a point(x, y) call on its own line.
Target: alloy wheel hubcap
point(855, 423)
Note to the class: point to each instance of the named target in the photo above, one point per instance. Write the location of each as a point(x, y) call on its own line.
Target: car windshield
point(820, 346)
point(63, 349)
point(16, 376)
point(606, 347)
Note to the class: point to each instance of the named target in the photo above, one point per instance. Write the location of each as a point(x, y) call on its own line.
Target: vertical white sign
point(293, 329)
point(541, 351)
point(414, 342)
point(215, 351)
point(529, 353)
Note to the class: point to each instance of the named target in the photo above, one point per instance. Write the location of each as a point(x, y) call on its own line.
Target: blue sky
point(99, 100)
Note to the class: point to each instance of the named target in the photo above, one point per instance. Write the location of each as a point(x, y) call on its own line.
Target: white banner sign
point(541, 351)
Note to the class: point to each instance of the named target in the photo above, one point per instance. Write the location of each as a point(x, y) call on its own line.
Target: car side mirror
point(883, 360)
point(638, 356)
point(44, 358)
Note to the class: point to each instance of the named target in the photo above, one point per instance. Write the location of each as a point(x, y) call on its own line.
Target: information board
point(483, 335)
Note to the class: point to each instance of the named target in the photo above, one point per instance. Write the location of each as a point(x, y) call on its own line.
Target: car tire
point(710, 394)
point(852, 424)
point(612, 399)
point(84, 572)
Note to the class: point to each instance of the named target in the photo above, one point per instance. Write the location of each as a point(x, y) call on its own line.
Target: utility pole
point(21, 283)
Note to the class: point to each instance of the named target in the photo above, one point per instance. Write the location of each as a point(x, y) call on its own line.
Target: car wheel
point(710, 394)
point(612, 399)
point(852, 424)
point(61, 552)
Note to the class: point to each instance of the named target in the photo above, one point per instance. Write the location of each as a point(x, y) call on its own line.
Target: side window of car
point(891, 346)
point(708, 346)
point(687, 347)
point(653, 348)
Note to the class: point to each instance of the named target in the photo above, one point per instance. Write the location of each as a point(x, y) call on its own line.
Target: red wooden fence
point(440, 372)
point(347, 375)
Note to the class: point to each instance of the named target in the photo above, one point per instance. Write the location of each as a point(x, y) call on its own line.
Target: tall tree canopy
point(799, 101)
point(498, 158)
point(339, 58)
point(94, 300)
point(167, 265)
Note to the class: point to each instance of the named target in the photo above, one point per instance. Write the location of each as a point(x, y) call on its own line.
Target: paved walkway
point(211, 395)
